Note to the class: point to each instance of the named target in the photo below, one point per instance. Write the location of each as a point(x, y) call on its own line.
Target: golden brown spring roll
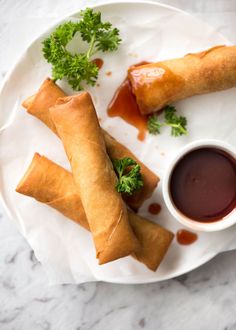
point(38, 105)
point(158, 84)
point(51, 184)
point(78, 127)
point(43, 100)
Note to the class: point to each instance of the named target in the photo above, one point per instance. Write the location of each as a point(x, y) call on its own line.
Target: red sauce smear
point(154, 208)
point(185, 237)
point(99, 62)
point(124, 105)
point(108, 73)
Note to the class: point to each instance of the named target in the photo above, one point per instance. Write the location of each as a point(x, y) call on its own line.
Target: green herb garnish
point(177, 123)
point(78, 68)
point(129, 176)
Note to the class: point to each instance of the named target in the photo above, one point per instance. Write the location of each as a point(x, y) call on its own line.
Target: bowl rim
point(229, 219)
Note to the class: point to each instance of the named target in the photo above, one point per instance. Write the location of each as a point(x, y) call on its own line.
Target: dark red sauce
point(203, 184)
point(124, 105)
point(185, 237)
point(154, 208)
point(99, 62)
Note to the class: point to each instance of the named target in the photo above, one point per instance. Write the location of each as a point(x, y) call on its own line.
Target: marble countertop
point(202, 299)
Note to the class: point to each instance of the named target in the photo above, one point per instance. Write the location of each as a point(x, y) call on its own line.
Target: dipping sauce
point(185, 237)
point(154, 208)
point(203, 184)
point(124, 105)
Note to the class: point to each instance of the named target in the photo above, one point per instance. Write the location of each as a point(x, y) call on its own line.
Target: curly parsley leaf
point(177, 123)
point(154, 125)
point(78, 68)
point(129, 176)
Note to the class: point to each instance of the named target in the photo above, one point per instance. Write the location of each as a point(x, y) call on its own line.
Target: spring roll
point(78, 127)
point(158, 84)
point(38, 105)
point(43, 100)
point(54, 186)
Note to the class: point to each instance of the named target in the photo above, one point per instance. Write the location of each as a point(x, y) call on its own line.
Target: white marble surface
point(202, 299)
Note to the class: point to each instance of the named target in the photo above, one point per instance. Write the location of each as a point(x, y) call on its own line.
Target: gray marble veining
point(202, 299)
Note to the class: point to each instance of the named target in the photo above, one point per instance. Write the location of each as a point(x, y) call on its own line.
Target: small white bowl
point(223, 223)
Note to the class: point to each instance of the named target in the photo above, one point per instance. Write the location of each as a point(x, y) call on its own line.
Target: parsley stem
point(89, 52)
point(181, 128)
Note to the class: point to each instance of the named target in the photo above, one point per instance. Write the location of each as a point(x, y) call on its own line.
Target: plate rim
point(7, 209)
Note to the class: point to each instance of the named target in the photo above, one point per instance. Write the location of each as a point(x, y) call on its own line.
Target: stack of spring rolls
point(88, 195)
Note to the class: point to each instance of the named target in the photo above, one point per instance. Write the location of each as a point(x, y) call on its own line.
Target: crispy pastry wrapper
point(78, 127)
point(51, 184)
point(38, 105)
point(158, 84)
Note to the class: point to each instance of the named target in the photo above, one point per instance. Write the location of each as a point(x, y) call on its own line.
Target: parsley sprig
point(129, 176)
point(177, 123)
point(78, 68)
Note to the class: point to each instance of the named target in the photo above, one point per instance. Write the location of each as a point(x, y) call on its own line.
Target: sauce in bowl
point(203, 184)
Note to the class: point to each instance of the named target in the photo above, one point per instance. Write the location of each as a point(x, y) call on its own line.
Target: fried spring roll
point(78, 127)
point(38, 105)
point(158, 84)
point(51, 184)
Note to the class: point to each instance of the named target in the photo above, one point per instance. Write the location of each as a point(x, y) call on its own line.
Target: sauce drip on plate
point(203, 184)
point(154, 208)
point(124, 105)
point(185, 237)
point(99, 62)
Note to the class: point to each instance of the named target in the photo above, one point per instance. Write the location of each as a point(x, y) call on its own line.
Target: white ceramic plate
point(149, 31)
